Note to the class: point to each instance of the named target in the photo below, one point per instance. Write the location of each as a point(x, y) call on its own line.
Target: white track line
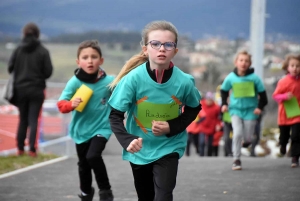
point(33, 167)
point(7, 133)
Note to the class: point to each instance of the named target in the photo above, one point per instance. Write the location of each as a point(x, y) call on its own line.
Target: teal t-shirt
point(144, 100)
point(243, 94)
point(94, 119)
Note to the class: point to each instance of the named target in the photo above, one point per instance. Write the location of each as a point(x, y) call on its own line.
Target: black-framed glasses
point(155, 44)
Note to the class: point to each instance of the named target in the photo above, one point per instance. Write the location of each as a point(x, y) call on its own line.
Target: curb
point(31, 167)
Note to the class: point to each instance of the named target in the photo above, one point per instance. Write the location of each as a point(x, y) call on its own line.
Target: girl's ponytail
point(131, 64)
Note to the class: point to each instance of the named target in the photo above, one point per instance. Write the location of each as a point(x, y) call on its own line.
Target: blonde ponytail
point(131, 64)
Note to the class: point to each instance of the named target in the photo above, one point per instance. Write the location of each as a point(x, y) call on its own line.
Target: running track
point(8, 127)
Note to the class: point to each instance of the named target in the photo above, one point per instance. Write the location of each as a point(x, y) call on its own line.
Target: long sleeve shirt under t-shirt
point(177, 125)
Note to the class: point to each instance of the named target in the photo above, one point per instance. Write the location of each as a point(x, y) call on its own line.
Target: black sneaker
point(88, 197)
point(295, 162)
point(237, 165)
point(106, 195)
point(246, 144)
point(283, 150)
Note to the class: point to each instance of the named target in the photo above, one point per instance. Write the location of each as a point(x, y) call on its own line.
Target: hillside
point(195, 18)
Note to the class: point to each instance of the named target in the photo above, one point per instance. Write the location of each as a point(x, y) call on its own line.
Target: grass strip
point(11, 163)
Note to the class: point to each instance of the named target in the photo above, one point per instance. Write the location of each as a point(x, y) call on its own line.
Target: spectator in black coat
point(31, 64)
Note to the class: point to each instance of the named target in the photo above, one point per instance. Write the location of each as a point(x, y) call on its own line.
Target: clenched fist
point(135, 145)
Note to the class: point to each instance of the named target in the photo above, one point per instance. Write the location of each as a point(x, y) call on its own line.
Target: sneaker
point(246, 144)
point(88, 197)
point(283, 150)
point(32, 154)
point(20, 152)
point(106, 195)
point(237, 165)
point(295, 162)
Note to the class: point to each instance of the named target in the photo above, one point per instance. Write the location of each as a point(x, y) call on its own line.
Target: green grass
point(11, 163)
point(63, 57)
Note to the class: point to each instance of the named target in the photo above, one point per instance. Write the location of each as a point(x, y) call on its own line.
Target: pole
point(257, 35)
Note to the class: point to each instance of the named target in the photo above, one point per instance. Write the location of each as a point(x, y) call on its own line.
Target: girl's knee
point(93, 157)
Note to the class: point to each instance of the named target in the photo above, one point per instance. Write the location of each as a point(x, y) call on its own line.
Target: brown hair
point(243, 52)
point(31, 29)
point(287, 61)
point(140, 58)
point(89, 43)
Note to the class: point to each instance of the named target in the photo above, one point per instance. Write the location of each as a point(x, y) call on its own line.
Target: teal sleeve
point(122, 96)
point(193, 96)
point(69, 90)
point(259, 85)
point(226, 85)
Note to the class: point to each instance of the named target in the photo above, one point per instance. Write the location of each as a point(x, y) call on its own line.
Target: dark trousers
point(29, 105)
point(203, 141)
point(256, 136)
point(215, 151)
point(227, 140)
point(156, 181)
point(90, 158)
point(293, 132)
point(192, 138)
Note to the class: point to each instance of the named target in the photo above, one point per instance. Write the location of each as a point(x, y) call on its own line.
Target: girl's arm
point(116, 119)
point(180, 123)
point(279, 98)
point(224, 97)
point(263, 100)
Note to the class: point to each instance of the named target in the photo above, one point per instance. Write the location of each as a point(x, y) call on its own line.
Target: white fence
point(62, 145)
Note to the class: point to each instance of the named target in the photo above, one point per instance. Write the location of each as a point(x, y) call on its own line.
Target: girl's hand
point(76, 102)
point(289, 95)
point(257, 111)
point(224, 108)
point(160, 127)
point(135, 145)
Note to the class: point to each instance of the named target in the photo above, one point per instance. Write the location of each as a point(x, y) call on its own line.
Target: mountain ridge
point(197, 19)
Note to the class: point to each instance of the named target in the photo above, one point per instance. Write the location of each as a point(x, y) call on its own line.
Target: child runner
point(244, 105)
point(217, 137)
point(289, 88)
point(153, 91)
point(193, 131)
point(209, 124)
point(90, 128)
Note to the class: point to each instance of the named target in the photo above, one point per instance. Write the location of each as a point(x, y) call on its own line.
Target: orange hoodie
point(285, 85)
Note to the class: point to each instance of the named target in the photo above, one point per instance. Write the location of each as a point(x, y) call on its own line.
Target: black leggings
point(156, 181)
point(286, 134)
point(90, 158)
point(192, 138)
point(29, 105)
point(228, 141)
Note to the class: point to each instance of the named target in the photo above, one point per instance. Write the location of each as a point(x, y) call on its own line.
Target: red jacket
point(194, 127)
point(208, 125)
point(218, 135)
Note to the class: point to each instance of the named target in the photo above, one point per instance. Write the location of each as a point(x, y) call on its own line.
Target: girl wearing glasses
point(152, 91)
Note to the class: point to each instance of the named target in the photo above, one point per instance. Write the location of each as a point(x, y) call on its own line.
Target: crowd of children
point(166, 113)
point(242, 97)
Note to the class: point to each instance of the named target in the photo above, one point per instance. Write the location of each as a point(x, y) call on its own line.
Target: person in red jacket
point(216, 139)
point(193, 131)
point(208, 125)
point(288, 92)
